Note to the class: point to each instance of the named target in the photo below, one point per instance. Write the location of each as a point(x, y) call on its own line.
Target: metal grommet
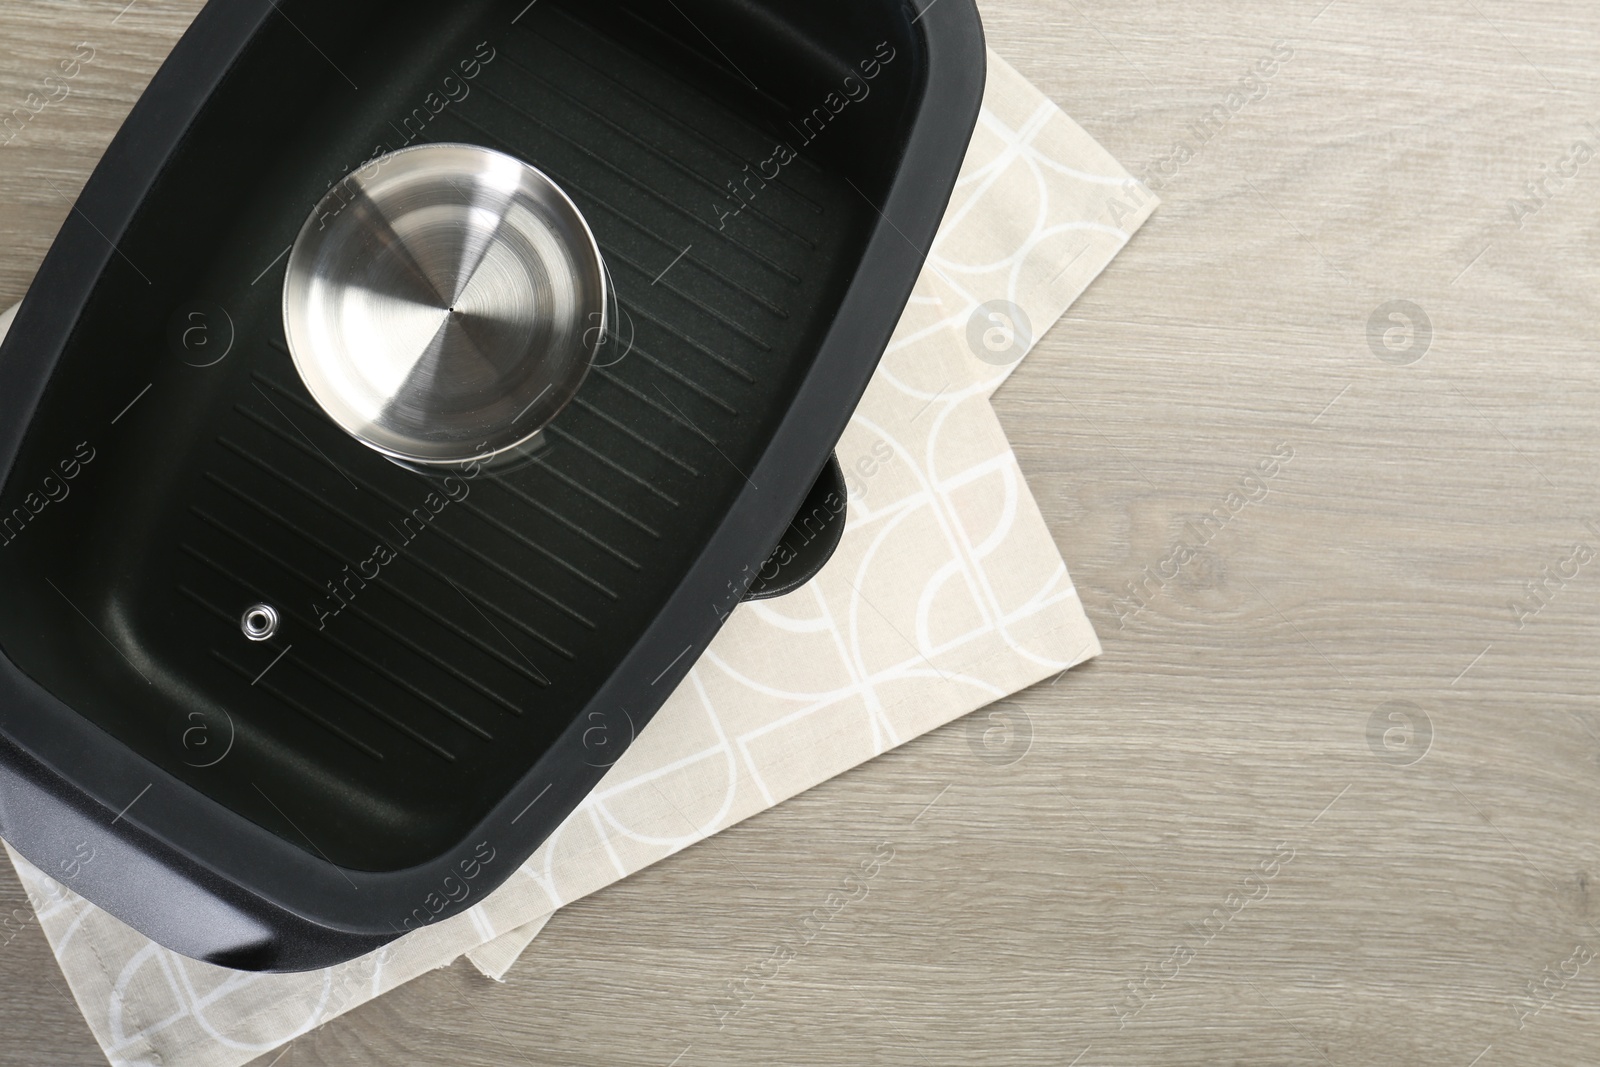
point(260, 622)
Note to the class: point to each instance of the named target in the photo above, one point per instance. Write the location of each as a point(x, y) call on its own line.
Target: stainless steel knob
point(444, 303)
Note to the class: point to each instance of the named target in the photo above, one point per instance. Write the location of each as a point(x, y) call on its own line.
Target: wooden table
point(1330, 796)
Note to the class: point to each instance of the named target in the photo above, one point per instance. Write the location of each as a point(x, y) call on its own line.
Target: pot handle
point(809, 541)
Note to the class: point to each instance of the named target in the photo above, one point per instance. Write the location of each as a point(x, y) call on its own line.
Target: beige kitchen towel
point(947, 594)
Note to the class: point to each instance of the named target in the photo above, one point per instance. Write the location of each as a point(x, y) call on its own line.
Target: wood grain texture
point(1237, 723)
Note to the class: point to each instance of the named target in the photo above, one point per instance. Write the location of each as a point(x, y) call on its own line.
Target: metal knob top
point(444, 303)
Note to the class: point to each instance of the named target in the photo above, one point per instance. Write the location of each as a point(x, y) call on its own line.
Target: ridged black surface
point(374, 736)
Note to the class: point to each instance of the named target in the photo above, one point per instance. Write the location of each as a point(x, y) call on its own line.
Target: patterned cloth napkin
point(947, 594)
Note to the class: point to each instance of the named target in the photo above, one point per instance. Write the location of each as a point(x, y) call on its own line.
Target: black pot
point(455, 664)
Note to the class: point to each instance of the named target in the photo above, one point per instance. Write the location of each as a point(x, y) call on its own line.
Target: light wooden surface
point(1232, 719)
